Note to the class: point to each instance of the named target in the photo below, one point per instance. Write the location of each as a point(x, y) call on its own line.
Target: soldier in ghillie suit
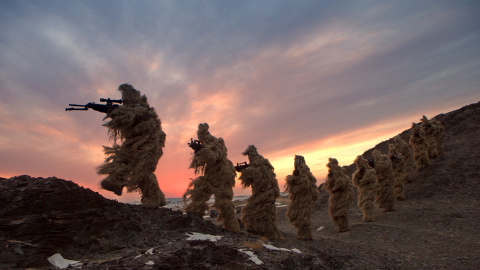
point(439, 135)
point(385, 196)
point(398, 165)
point(259, 215)
point(218, 178)
point(420, 147)
point(364, 179)
point(430, 131)
point(341, 194)
point(133, 163)
point(406, 150)
point(301, 186)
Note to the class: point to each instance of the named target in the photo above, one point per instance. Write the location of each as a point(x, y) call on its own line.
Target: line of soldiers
point(132, 164)
point(382, 179)
point(259, 215)
point(379, 181)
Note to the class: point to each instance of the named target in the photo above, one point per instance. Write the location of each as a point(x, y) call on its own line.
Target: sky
point(314, 78)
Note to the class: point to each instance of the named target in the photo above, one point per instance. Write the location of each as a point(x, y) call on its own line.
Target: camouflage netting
point(218, 179)
point(420, 147)
point(341, 192)
point(398, 165)
point(430, 131)
point(364, 179)
point(406, 150)
point(439, 135)
point(385, 196)
point(303, 193)
point(132, 163)
point(259, 215)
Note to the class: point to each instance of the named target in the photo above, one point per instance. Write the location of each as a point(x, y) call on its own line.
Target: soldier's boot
point(111, 186)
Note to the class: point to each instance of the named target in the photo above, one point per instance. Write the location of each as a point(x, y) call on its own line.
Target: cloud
point(286, 76)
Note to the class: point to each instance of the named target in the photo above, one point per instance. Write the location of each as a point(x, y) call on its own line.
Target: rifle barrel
point(76, 109)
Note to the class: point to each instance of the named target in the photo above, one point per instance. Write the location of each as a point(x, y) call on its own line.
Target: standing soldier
point(439, 135)
point(364, 179)
point(430, 131)
point(260, 214)
point(341, 194)
point(133, 163)
point(420, 147)
point(406, 150)
point(210, 159)
point(385, 197)
point(303, 194)
point(398, 164)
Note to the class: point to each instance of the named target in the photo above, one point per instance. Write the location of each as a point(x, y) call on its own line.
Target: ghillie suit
point(439, 135)
point(406, 150)
point(398, 165)
point(430, 131)
point(259, 215)
point(303, 193)
point(385, 196)
point(341, 194)
point(218, 179)
point(364, 179)
point(420, 147)
point(133, 163)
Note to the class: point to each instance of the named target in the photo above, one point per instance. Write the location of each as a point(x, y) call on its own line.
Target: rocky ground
point(437, 227)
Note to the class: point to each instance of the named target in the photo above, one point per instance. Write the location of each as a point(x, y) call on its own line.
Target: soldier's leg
point(152, 196)
point(118, 168)
point(199, 192)
point(248, 214)
point(226, 208)
point(400, 187)
point(303, 225)
point(118, 172)
point(342, 223)
point(367, 209)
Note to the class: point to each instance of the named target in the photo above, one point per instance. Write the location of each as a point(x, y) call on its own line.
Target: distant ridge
point(454, 121)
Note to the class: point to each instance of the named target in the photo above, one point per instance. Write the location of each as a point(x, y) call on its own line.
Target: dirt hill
point(437, 227)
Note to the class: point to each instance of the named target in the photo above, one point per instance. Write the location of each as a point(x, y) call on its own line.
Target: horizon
point(319, 79)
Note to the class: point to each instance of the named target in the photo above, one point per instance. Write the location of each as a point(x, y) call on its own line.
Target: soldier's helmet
point(131, 96)
point(250, 151)
point(204, 135)
point(360, 161)
point(331, 162)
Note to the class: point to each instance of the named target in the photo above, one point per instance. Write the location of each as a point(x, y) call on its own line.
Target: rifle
point(196, 145)
point(241, 166)
point(104, 108)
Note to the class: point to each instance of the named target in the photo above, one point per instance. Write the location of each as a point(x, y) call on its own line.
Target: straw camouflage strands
point(303, 193)
point(439, 135)
point(430, 131)
point(398, 165)
point(385, 196)
point(420, 147)
point(133, 162)
point(218, 179)
point(341, 192)
point(407, 152)
point(364, 179)
point(259, 215)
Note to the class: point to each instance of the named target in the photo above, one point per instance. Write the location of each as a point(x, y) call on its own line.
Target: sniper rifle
point(104, 108)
